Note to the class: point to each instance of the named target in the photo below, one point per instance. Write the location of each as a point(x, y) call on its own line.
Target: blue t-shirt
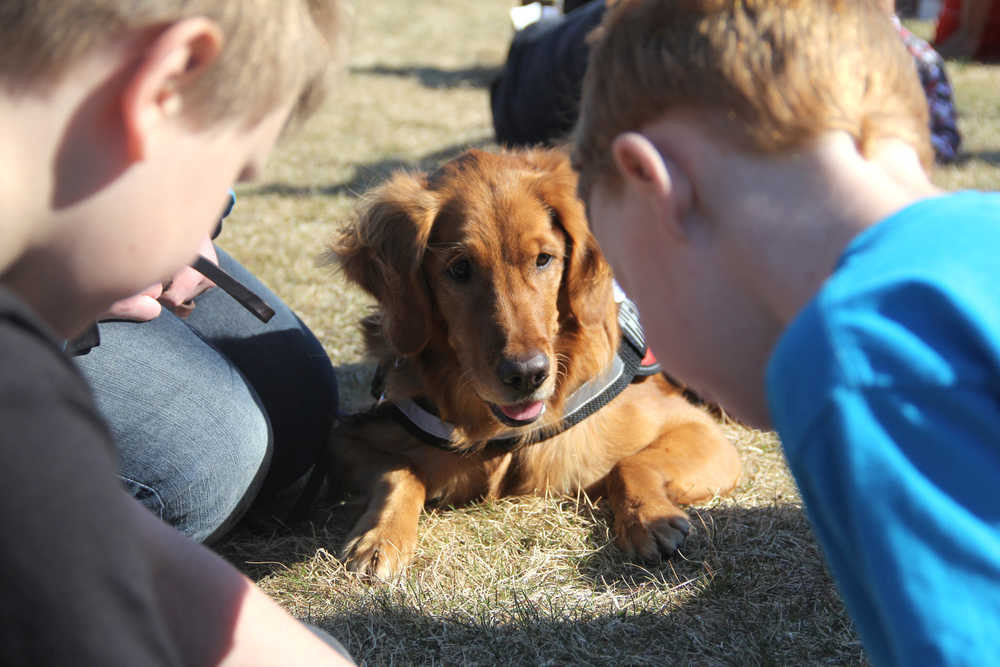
point(885, 391)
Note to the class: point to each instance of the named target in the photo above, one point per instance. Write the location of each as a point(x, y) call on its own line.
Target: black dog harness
point(634, 362)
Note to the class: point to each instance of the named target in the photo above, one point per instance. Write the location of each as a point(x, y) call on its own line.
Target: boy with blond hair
point(123, 125)
point(757, 171)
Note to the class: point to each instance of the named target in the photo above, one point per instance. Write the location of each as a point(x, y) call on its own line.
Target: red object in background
point(988, 48)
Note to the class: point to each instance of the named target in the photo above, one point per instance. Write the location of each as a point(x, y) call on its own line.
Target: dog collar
point(634, 362)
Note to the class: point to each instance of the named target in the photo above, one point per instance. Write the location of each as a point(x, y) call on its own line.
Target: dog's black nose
point(524, 374)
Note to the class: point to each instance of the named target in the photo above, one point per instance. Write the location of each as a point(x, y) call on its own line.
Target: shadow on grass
point(723, 539)
point(267, 540)
point(383, 631)
point(478, 76)
point(370, 174)
point(991, 158)
point(749, 588)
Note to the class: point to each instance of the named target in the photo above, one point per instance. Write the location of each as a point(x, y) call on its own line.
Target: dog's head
point(487, 273)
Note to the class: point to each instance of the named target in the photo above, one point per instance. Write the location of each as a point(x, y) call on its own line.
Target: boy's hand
point(139, 308)
point(177, 294)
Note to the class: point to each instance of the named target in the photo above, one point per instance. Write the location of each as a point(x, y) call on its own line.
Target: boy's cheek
point(598, 214)
point(609, 247)
point(610, 241)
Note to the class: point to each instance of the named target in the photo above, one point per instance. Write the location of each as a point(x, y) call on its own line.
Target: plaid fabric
point(940, 99)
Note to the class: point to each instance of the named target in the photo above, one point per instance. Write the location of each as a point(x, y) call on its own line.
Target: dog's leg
point(384, 538)
point(689, 463)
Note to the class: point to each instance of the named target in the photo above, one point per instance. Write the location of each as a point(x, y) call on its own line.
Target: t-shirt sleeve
point(885, 390)
point(912, 532)
point(77, 590)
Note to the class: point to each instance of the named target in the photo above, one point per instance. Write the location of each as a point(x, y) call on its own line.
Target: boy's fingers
point(139, 308)
point(184, 309)
point(184, 287)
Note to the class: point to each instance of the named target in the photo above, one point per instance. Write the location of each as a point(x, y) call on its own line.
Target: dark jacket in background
point(536, 96)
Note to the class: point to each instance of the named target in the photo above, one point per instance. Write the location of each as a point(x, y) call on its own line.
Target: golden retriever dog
point(495, 306)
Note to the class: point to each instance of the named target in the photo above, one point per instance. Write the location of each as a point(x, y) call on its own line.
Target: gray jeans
point(208, 411)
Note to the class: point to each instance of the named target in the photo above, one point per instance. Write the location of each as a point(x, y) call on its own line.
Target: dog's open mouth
point(518, 414)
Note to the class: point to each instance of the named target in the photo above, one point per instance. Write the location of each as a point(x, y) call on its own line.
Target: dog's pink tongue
point(522, 411)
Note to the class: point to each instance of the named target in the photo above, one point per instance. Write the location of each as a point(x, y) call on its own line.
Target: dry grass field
point(532, 581)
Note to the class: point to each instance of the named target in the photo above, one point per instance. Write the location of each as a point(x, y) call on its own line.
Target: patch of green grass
point(526, 580)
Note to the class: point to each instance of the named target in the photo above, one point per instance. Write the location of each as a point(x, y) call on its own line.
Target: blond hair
point(780, 72)
point(272, 49)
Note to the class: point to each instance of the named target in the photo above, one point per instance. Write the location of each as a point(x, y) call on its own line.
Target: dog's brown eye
point(460, 271)
point(543, 260)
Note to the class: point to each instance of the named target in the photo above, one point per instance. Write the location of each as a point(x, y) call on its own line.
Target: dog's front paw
point(376, 553)
point(651, 531)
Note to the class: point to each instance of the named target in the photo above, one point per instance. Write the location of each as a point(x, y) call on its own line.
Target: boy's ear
point(154, 91)
point(655, 177)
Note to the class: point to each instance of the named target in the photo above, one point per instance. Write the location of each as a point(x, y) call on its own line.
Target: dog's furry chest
point(572, 461)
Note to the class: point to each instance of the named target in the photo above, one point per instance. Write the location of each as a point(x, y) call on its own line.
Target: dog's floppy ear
point(586, 284)
point(383, 250)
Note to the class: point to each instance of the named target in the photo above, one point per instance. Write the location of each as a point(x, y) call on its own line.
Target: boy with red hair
point(757, 172)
